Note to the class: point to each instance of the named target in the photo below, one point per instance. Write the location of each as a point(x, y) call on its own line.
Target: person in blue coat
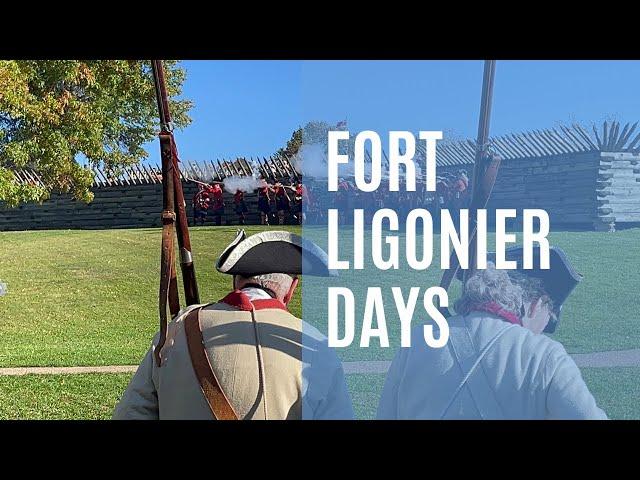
point(497, 363)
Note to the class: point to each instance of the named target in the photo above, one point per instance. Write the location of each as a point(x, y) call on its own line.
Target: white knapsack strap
point(466, 356)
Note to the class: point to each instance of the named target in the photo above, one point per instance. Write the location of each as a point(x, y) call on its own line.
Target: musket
point(174, 219)
point(295, 172)
point(204, 184)
point(485, 172)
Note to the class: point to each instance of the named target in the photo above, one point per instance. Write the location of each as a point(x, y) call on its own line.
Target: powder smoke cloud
point(245, 184)
point(311, 161)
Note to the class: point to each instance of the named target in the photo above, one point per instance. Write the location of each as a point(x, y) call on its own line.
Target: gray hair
point(532, 288)
point(278, 283)
point(491, 285)
point(511, 289)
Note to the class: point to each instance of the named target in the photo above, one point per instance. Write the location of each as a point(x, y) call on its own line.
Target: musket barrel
point(161, 95)
point(173, 195)
point(485, 104)
point(484, 176)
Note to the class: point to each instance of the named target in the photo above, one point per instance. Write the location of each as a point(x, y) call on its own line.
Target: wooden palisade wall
point(583, 179)
point(131, 206)
point(618, 188)
point(563, 185)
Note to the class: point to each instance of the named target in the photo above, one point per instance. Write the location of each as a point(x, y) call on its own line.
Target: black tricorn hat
point(273, 252)
point(559, 280)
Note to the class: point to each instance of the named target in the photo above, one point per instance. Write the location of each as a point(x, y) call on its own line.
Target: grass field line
point(17, 371)
point(616, 358)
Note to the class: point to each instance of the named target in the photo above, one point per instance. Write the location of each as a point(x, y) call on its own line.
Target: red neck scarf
point(494, 308)
point(241, 301)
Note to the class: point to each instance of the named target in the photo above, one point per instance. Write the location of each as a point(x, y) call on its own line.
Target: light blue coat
point(522, 376)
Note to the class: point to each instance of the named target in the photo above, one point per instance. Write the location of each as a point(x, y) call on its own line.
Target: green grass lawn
point(93, 396)
point(601, 314)
point(57, 397)
point(90, 298)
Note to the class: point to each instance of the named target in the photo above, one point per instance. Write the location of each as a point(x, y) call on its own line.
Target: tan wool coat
point(270, 364)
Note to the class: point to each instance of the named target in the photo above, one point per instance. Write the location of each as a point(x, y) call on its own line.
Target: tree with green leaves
point(293, 144)
point(316, 133)
point(55, 113)
point(313, 133)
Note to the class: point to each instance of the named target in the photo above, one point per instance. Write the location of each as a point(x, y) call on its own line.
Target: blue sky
point(250, 108)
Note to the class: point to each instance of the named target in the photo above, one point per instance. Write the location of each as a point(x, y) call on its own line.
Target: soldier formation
point(278, 204)
point(293, 202)
point(452, 193)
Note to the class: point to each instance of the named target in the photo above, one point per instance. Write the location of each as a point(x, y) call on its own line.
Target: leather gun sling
point(217, 400)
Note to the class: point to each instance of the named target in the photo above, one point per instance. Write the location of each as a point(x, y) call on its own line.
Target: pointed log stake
point(501, 148)
point(575, 139)
point(613, 135)
point(626, 135)
point(558, 144)
point(561, 141)
point(523, 145)
point(515, 147)
point(600, 144)
point(582, 132)
point(633, 142)
point(545, 141)
point(621, 138)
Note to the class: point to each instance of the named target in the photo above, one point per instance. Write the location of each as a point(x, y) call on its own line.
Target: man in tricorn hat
point(496, 364)
point(245, 356)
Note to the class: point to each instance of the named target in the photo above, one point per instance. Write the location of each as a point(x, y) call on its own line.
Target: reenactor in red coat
point(240, 206)
point(283, 202)
point(201, 202)
point(300, 200)
point(264, 201)
point(217, 204)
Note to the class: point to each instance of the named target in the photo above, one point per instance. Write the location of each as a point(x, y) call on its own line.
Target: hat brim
point(273, 252)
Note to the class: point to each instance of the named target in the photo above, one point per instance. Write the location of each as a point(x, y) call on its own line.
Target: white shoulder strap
point(466, 356)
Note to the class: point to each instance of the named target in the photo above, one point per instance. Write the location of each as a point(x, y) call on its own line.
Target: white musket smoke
point(245, 184)
point(311, 161)
point(3, 289)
